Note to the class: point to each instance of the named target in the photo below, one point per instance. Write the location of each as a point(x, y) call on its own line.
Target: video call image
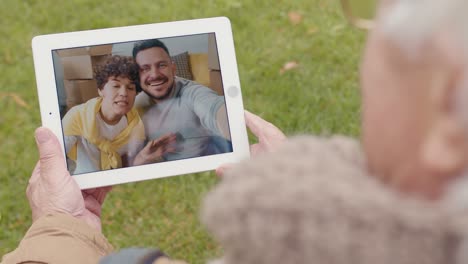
point(141, 102)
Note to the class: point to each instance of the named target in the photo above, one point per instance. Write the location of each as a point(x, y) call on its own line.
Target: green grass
point(320, 96)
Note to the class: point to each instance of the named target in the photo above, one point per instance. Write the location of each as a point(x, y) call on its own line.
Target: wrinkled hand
point(52, 189)
point(268, 135)
point(155, 149)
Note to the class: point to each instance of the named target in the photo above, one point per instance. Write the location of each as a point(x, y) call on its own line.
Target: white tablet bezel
point(49, 106)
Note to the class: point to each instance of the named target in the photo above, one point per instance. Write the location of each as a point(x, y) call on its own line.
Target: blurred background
point(297, 62)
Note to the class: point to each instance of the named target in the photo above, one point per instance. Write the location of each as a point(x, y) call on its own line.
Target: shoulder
point(73, 113)
point(307, 166)
point(86, 106)
point(142, 100)
point(142, 103)
point(316, 190)
point(301, 157)
point(136, 124)
point(184, 86)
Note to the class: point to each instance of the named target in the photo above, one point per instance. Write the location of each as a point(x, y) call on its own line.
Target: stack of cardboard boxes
point(216, 82)
point(78, 65)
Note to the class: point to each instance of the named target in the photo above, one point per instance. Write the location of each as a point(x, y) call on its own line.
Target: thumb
point(50, 156)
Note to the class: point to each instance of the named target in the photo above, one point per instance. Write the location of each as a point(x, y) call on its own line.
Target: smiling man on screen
point(171, 104)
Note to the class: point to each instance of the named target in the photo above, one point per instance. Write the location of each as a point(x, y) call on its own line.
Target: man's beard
point(162, 97)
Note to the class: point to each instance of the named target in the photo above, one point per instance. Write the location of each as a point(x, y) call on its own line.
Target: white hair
point(410, 22)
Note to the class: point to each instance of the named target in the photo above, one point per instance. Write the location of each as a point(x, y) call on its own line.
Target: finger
point(149, 146)
point(98, 193)
point(255, 149)
point(170, 149)
point(221, 170)
point(155, 144)
point(168, 141)
point(259, 126)
point(102, 193)
point(92, 205)
point(35, 174)
point(254, 123)
point(106, 192)
point(163, 141)
point(53, 168)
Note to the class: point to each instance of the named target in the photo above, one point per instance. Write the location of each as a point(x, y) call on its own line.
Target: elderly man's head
point(413, 80)
point(312, 202)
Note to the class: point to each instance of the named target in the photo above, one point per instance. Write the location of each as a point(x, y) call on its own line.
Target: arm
point(222, 122)
point(60, 238)
point(209, 107)
point(66, 221)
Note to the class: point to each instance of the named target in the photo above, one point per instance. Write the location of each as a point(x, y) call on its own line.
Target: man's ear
point(99, 92)
point(445, 148)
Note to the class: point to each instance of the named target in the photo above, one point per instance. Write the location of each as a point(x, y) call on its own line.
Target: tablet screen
point(102, 89)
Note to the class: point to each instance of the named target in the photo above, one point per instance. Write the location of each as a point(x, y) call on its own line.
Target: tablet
point(142, 102)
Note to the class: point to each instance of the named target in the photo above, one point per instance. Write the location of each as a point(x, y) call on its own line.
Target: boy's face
point(118, 98)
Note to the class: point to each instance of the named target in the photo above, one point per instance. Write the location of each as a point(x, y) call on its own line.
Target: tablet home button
point(233, 91)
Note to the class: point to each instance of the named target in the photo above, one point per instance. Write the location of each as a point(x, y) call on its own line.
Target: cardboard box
point(93, 51)
point(78, 63)
point(79, 91)
point(87, 89)
point(77, 67)
point(216, 81)
point(81, 67)
point(199, 67)
point(73, 95)
point(213, 59)
point(100, 50)
point(72, 52)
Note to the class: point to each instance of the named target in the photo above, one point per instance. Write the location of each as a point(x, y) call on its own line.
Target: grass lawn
point(319, 96)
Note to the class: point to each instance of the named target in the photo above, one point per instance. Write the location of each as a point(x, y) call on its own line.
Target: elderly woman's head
point(116, 81)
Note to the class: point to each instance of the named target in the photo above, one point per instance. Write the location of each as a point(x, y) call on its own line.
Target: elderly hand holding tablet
point(116, 107)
